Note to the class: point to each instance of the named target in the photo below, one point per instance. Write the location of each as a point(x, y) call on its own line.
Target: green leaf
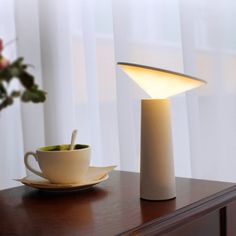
point(3, 91)
point(15, 93)
point(6, 102)
point(26, 80)
point(14, 71)
point(26, 96)
point(35, 96)
point(5, 75)
point(40, 96)
point(18, 62)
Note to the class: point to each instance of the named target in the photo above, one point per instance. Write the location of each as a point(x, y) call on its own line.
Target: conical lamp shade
point(159, 83)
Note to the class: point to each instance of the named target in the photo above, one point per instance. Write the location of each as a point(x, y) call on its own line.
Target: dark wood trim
point(187, 214)
point(223, 221)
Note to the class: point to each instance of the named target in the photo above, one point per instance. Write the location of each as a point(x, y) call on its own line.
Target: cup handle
point(26, 160)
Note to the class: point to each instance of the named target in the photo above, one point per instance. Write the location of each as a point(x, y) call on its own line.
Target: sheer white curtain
point(209, 51)
point(11, 141)
point(74, 46)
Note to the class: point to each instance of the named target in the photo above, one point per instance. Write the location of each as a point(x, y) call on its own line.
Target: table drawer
point(204, 226)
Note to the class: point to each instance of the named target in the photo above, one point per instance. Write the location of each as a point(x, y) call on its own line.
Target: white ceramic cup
point(60, 165)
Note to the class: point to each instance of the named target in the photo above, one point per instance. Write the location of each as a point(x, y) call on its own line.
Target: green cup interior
point(63, 147)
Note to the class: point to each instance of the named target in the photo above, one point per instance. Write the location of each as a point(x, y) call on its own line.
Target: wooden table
point(202, 208)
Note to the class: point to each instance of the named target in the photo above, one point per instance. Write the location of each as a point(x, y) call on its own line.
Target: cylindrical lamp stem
point(157, 178)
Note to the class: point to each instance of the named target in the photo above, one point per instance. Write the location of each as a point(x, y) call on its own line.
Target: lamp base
point(157, 178)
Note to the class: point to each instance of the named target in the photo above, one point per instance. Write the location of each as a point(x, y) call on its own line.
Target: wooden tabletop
point(111, 208)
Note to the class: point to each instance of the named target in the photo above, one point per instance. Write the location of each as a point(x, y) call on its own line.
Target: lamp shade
point(159, 83)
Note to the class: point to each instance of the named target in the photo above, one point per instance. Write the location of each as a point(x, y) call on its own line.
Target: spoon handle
point(73, 138)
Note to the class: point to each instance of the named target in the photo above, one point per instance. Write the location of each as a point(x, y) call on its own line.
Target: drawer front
point(207, 225)
point(231, 219)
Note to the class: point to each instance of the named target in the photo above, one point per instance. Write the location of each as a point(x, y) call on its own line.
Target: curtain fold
point(11, 135)
point(209, 43)
point(74, 46)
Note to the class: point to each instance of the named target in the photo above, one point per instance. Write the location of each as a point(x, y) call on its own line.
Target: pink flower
point(3, 62)
point(1, 45)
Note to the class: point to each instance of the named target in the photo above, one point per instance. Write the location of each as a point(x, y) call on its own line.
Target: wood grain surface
point(111, 208)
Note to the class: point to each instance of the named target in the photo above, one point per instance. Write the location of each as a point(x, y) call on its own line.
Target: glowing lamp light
point(159, 83)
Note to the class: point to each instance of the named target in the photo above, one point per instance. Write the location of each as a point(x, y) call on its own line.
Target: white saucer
point(94, 176)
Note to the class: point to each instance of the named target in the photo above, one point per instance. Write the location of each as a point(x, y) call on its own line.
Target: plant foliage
point(17, 69)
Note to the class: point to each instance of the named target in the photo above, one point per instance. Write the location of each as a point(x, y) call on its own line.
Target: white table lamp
point(157, 178)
